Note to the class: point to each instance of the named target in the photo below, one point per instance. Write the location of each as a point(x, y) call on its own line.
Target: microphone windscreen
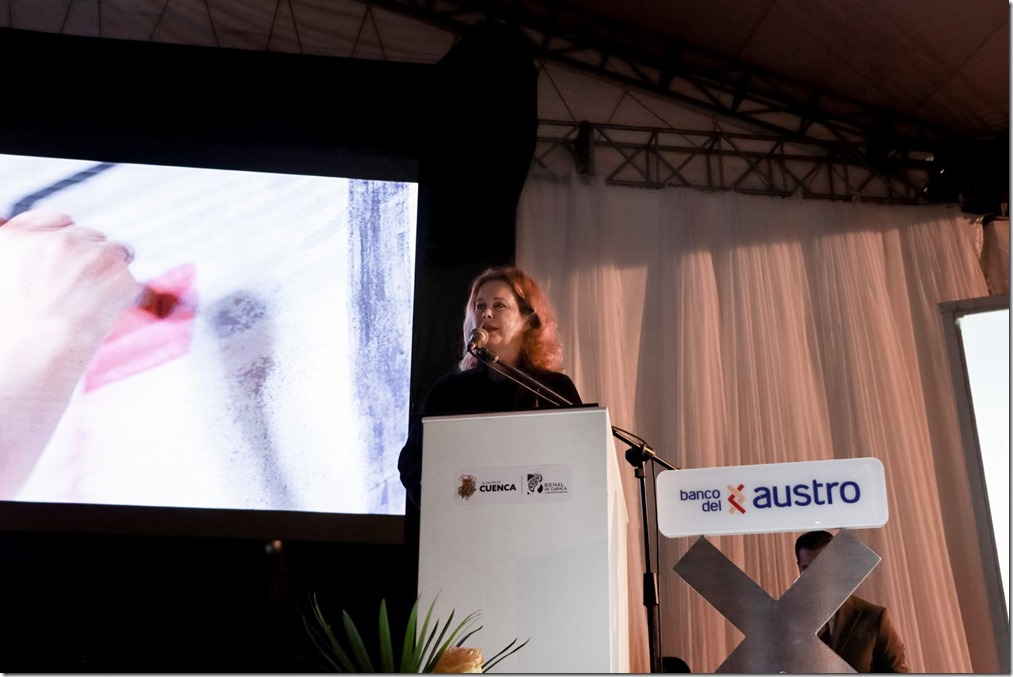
point(479, 337)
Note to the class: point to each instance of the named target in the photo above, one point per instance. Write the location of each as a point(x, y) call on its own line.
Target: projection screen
point(272, 373)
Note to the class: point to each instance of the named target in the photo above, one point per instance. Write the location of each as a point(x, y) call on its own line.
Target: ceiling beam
point(769, 102)
point(715, 160)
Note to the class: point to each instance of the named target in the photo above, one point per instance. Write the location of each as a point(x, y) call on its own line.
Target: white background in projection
point(264, 388)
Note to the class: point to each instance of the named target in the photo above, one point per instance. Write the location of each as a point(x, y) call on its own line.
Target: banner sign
point(756, 499)
point(520, 484)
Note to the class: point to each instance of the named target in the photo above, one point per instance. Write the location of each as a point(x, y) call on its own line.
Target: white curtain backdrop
point(728, 329)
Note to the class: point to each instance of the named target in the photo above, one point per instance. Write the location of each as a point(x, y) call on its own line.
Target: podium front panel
point(523, 520)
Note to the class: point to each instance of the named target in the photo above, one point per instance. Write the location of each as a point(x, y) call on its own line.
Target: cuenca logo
point(799, 495)
point(467, 487)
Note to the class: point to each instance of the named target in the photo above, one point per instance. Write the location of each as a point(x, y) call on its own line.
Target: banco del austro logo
point(741, 499)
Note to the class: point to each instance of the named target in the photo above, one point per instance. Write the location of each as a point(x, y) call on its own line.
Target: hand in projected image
point(63, 273)
point(62, 288)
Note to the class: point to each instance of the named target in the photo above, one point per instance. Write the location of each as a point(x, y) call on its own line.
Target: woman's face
point(497, 312)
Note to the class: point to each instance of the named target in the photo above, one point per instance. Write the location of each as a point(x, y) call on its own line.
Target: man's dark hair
point(812, 540)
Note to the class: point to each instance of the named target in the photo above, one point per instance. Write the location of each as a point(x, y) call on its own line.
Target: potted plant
point(434, 647)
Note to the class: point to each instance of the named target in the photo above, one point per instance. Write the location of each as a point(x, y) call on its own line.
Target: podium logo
point(736, 498)
point(553, 484)
point(515, 484)
point(468, 485)
point(814, 493)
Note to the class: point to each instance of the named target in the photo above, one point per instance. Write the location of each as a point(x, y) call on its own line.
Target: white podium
point(523, 519)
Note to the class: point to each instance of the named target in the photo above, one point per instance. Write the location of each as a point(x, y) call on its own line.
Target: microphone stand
point(637, 455)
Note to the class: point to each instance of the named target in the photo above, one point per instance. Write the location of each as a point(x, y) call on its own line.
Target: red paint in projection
point(150, 334)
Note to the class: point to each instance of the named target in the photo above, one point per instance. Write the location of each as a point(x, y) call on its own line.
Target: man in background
point(860, 632)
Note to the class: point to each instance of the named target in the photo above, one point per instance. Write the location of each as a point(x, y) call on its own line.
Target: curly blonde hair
point(541, 347)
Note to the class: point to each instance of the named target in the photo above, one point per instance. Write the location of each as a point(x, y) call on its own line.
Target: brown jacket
point(865, 637)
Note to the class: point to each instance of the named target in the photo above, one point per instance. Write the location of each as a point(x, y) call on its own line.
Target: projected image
point(263, 364)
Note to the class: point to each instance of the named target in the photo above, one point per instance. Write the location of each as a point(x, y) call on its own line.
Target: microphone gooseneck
point(516, 375)
point(639, 452)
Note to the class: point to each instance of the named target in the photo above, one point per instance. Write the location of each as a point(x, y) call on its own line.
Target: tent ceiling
point(943, 62)
point(885, 86)
point(939, 62)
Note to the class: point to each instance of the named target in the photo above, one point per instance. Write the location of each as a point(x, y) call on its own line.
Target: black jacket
point(474, 391)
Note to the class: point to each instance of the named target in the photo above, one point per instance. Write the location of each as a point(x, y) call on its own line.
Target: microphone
point(479, 337)
point(639, 453)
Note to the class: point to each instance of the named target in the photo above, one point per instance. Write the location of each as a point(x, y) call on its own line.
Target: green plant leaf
point(386, 647)
point(331, 648)
point(320, 643)
point(409, 663)
point(463, 625)
point(417, 651)
point(422, 648)
point(432, 650)
point(362, 662)
point(465, 637)
point(503, 653)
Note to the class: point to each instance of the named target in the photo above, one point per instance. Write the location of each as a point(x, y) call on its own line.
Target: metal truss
point(717, 160)
point(770, 103)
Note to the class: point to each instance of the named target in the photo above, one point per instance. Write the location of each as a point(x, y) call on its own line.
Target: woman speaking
point(509, 321)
